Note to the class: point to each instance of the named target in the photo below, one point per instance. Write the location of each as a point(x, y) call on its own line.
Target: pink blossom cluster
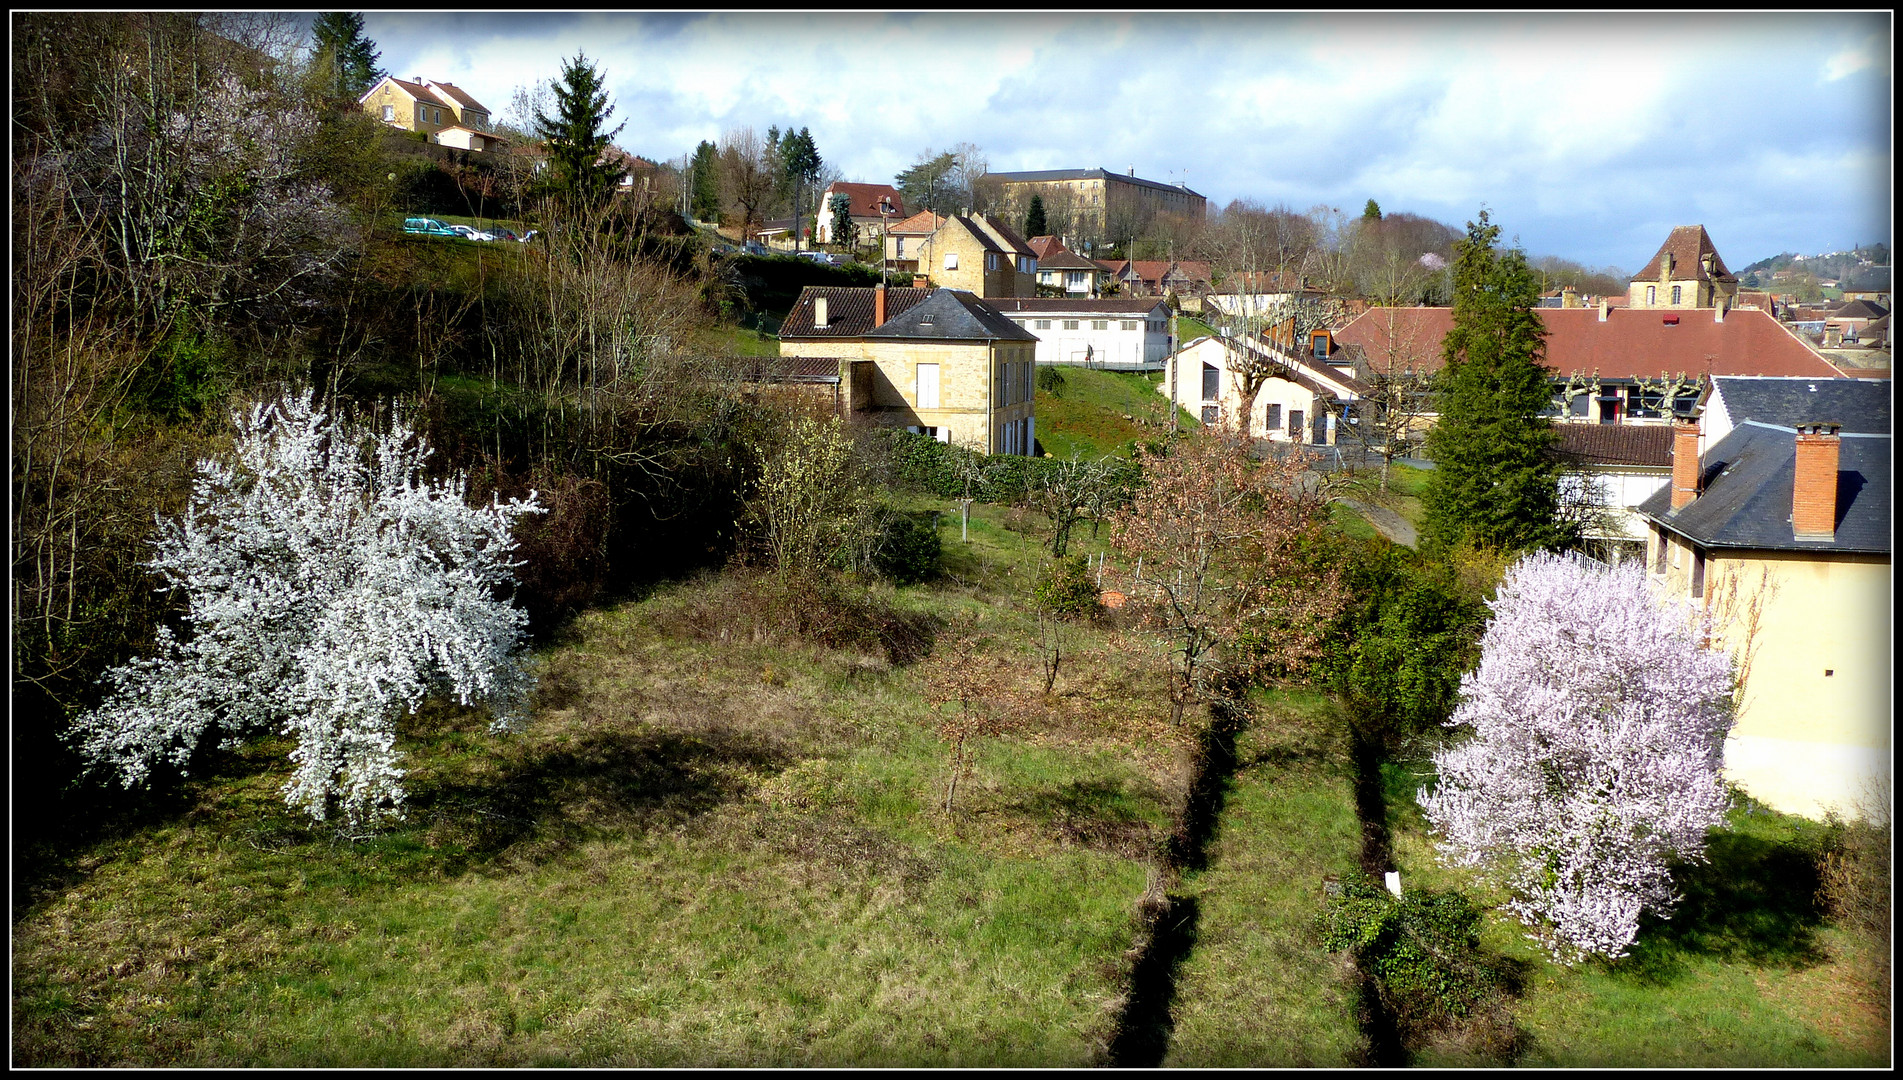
point(1598, 722)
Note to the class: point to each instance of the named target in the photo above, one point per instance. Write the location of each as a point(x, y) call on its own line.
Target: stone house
point(1780, 534)
point(981, 255)
point(938, 361)
point(904, 240)
point(1686, 272)
point(443, 111)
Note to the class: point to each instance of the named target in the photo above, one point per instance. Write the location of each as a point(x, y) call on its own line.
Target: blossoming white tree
point(331, 588)
point(1596, 759)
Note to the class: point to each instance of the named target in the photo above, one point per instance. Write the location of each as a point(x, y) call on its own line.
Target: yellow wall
point(1805, 742)
point(966, 373)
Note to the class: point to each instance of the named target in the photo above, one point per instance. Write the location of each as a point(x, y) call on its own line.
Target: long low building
point(1123, 335)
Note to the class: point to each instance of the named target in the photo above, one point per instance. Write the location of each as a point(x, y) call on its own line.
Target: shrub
point(1854, 875)
point(1051, 381)
point(1067, 590)
point(908, 549)
point(1423, 952)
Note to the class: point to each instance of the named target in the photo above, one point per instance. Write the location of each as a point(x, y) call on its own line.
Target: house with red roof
point(1611, 365)
point(874, 207)
point(904, 240)
point(446, 113)
point(1686, 272)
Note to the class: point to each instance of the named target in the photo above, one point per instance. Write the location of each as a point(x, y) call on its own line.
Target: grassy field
point(1746, 973)
point(1258, 990)
point(1189, 328)
point(1096, 413)
point(713, 845)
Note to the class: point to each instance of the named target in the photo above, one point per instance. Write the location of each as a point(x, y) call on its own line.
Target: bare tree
point(746, 176)
point(1392, 412)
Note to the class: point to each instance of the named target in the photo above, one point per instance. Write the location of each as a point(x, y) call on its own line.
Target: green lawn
point(1189, 328)
point(1095, 413)
point(1258, 990)
point(1746, 973)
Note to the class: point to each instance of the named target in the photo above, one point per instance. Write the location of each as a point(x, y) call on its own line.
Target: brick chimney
point(1684, 463)
point(1814, 493)
point(878, 304)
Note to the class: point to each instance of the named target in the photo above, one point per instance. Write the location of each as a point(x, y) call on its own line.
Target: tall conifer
point(574, 134)
point(1495, 482)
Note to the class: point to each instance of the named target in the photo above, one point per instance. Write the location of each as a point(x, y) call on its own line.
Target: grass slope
point(1095, 413)
point(712, 846)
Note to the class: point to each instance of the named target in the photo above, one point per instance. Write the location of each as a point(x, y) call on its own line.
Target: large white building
point(1126, 335)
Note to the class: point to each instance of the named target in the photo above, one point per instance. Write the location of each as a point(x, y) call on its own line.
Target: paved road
point(1385, 521)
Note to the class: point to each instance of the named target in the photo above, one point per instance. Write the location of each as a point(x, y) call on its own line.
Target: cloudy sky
point(1587, 136)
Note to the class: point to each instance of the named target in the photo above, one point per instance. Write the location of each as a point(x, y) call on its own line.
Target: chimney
point(1133, 170)
point(1569, 297)
point(1604, 305)
point(819, 312)
point(878, 305)
point(1814, 494)
point(1684, 463)
point(1717, 306)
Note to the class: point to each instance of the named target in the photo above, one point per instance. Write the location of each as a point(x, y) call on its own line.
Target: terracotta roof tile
point(923, 223)
point(849, 310)
point(866, 199)
point(1632, 343)
point(1615, 444)
point(460, 95)
point(1687, 244)
point(1046, 246)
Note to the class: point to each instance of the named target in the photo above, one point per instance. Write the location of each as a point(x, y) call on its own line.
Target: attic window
point(925, 320)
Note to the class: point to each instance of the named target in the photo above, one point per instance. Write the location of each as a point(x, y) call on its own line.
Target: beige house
point(981, 255)
point(443, 111)
point(873, 207)
point(1303, 402)
point(937, 361)
point(904, 240)
point(1686, 273)
point(1781, 534)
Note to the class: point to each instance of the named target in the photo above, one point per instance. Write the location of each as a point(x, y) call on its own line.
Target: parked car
point(468, 233)
point(500, 233)
point(819, 257)
point(423, 226)
point(754, 247)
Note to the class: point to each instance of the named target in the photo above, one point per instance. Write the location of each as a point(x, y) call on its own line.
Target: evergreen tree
point(800, 164)
point(1034, 223)
point(930, 184)
point(842, 221)
point(343, 54)
point(1371, 212)
point(1494, 482)
point(575, 137)
point(705, 186)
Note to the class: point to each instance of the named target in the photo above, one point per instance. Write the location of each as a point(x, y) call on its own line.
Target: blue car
point(423, 226)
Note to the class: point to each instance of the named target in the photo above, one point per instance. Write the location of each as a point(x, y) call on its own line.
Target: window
point(1321, 346)
point(1295, 424)
point(1100, 324)
point(1044, 324)
point(1212, 382)
point(1070, 324)
point(1272, 418)
point(951, 260)
point(1658, 559)
point(421, 114)
point(1211, 413)
point(898, 251)
point(1027, 265)
point(1651, 295)
point(1677, 291)
point(389, 112)
point(1698, 572)
point(1074, 281)
point(1129, 324)
point(926, 392)
point(991, 260)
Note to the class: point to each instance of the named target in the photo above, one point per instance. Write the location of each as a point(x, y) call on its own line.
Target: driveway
point(1385, 521)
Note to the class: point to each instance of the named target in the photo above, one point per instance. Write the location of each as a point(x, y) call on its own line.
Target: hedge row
point(923, 463)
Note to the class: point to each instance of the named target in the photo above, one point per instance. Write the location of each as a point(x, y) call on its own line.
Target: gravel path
point(1385, 521)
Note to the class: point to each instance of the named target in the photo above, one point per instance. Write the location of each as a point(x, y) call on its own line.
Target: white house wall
point(1115, 346)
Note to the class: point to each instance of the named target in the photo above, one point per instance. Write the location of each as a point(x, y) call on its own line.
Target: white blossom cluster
point(331, 588)
point(1597, 753)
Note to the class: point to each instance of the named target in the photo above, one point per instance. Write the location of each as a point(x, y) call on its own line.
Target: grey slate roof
point(955, 315)
point(849, 310)
point(1044, 176)
point(1858, 309)
point(1861, 406)
point(1746, 496)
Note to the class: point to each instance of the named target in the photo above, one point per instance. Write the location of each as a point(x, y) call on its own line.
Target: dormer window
point(925, 320)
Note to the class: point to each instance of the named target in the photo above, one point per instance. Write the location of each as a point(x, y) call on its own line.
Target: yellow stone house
point(937, 361)
point(1687, 272)
point(443, 111)
point(1781, 534)
point(980, 255)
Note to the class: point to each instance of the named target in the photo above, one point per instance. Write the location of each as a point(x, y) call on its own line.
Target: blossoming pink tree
point(1596, 759)
point(331, 588)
